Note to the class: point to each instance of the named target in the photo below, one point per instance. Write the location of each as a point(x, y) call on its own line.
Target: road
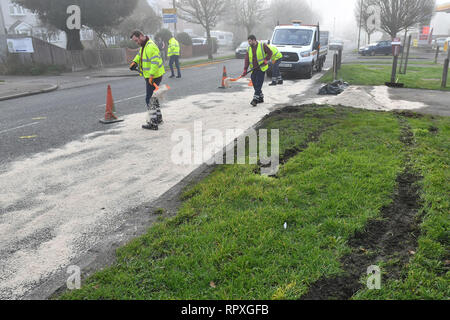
point(56, 118)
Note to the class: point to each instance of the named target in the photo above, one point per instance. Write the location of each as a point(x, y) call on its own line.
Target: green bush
point(184, 38)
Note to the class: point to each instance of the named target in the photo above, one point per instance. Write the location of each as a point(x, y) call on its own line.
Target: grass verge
point(228, 239)
point(416, 77)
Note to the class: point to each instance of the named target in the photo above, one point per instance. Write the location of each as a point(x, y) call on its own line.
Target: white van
point(304, 48)
point(224, 39)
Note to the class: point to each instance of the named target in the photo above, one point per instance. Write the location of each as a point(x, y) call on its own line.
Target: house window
point(16, 10)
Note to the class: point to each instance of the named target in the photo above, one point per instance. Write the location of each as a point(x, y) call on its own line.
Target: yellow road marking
point(28, 137)
point(40, 118)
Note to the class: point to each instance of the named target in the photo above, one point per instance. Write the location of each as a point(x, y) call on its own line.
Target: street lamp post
point(360, 22)
point(3, 42)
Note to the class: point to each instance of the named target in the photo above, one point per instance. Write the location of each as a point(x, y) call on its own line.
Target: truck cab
point(304, 48)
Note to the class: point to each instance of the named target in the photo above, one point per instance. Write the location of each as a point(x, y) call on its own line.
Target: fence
point(46, 53)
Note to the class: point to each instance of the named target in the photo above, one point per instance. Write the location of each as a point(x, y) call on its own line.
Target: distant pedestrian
point(174, 56)
point(162, 47)
point(257, 58)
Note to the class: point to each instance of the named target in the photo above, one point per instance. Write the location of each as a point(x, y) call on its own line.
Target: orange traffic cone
point(224, 76)
point(250, 84)
point(110, 117)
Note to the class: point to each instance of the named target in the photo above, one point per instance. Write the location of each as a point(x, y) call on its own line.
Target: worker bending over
point(257, 58)
point(150, 65)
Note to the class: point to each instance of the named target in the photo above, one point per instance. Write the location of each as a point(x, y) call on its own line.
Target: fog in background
point(336, 16)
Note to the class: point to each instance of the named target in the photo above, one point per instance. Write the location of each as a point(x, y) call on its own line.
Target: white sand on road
point(57, 205)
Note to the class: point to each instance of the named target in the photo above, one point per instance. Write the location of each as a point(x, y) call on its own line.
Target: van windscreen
point(293, 37)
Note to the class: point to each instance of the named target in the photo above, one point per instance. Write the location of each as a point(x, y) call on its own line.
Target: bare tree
point(398, 15)
point(203, 12)
point(364, 16)
point(285, 11)
point(247, 13)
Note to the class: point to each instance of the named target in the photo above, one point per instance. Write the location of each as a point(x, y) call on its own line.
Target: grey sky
point(341, 9)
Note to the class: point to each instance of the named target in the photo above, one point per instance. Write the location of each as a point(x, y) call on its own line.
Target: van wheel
point(309, 72)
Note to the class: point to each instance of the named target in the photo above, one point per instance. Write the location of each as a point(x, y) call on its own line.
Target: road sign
point(446, 45)
point(396, 44)
point(170, 18)
point(169, 11)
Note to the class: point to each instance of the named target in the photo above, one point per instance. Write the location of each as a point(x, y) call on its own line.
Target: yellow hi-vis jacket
point(149, 61)
point(277, 55)
point(260, 56)
point(174, 48)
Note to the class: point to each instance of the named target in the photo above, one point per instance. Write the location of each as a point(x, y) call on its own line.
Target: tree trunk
point(210, 44)
point(74, 40)
point(368, 37)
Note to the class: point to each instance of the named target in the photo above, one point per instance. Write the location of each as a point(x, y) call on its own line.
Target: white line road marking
point(25, 125)
point(123, 100)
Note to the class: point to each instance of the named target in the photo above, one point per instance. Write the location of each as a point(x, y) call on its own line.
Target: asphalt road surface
point(37, 123)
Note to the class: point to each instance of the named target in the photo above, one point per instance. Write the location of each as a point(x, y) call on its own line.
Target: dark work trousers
point(276, 74)
point(176, 60)
point(258, 81)
point(151, 89)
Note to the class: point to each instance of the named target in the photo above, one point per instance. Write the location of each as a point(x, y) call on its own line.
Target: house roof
point(18, 24)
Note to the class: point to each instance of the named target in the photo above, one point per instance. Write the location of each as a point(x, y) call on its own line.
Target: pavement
point(17, 89)
point(13, 87)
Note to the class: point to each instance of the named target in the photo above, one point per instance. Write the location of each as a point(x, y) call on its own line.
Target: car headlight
point(305, 54)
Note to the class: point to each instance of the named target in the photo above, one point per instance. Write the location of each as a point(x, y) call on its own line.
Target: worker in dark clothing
point(257, 58)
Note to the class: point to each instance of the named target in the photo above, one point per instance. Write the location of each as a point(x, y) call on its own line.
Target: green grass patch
point(416, 77)
point(228, 240)
point(428, 274)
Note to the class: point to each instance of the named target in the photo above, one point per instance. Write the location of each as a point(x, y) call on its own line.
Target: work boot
point(260, 100)
point(172, 76)
point(150, 126)
point(179, 76)
point(159, 118)
point(280, 81)
point(274, 83)
point(254, 102)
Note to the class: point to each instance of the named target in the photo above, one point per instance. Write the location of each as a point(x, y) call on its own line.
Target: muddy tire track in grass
point(392, 239)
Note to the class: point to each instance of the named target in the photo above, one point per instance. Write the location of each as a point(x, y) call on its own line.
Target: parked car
point(199, 41)
point(380, 47)
point(336, 45)
point(241, 51)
